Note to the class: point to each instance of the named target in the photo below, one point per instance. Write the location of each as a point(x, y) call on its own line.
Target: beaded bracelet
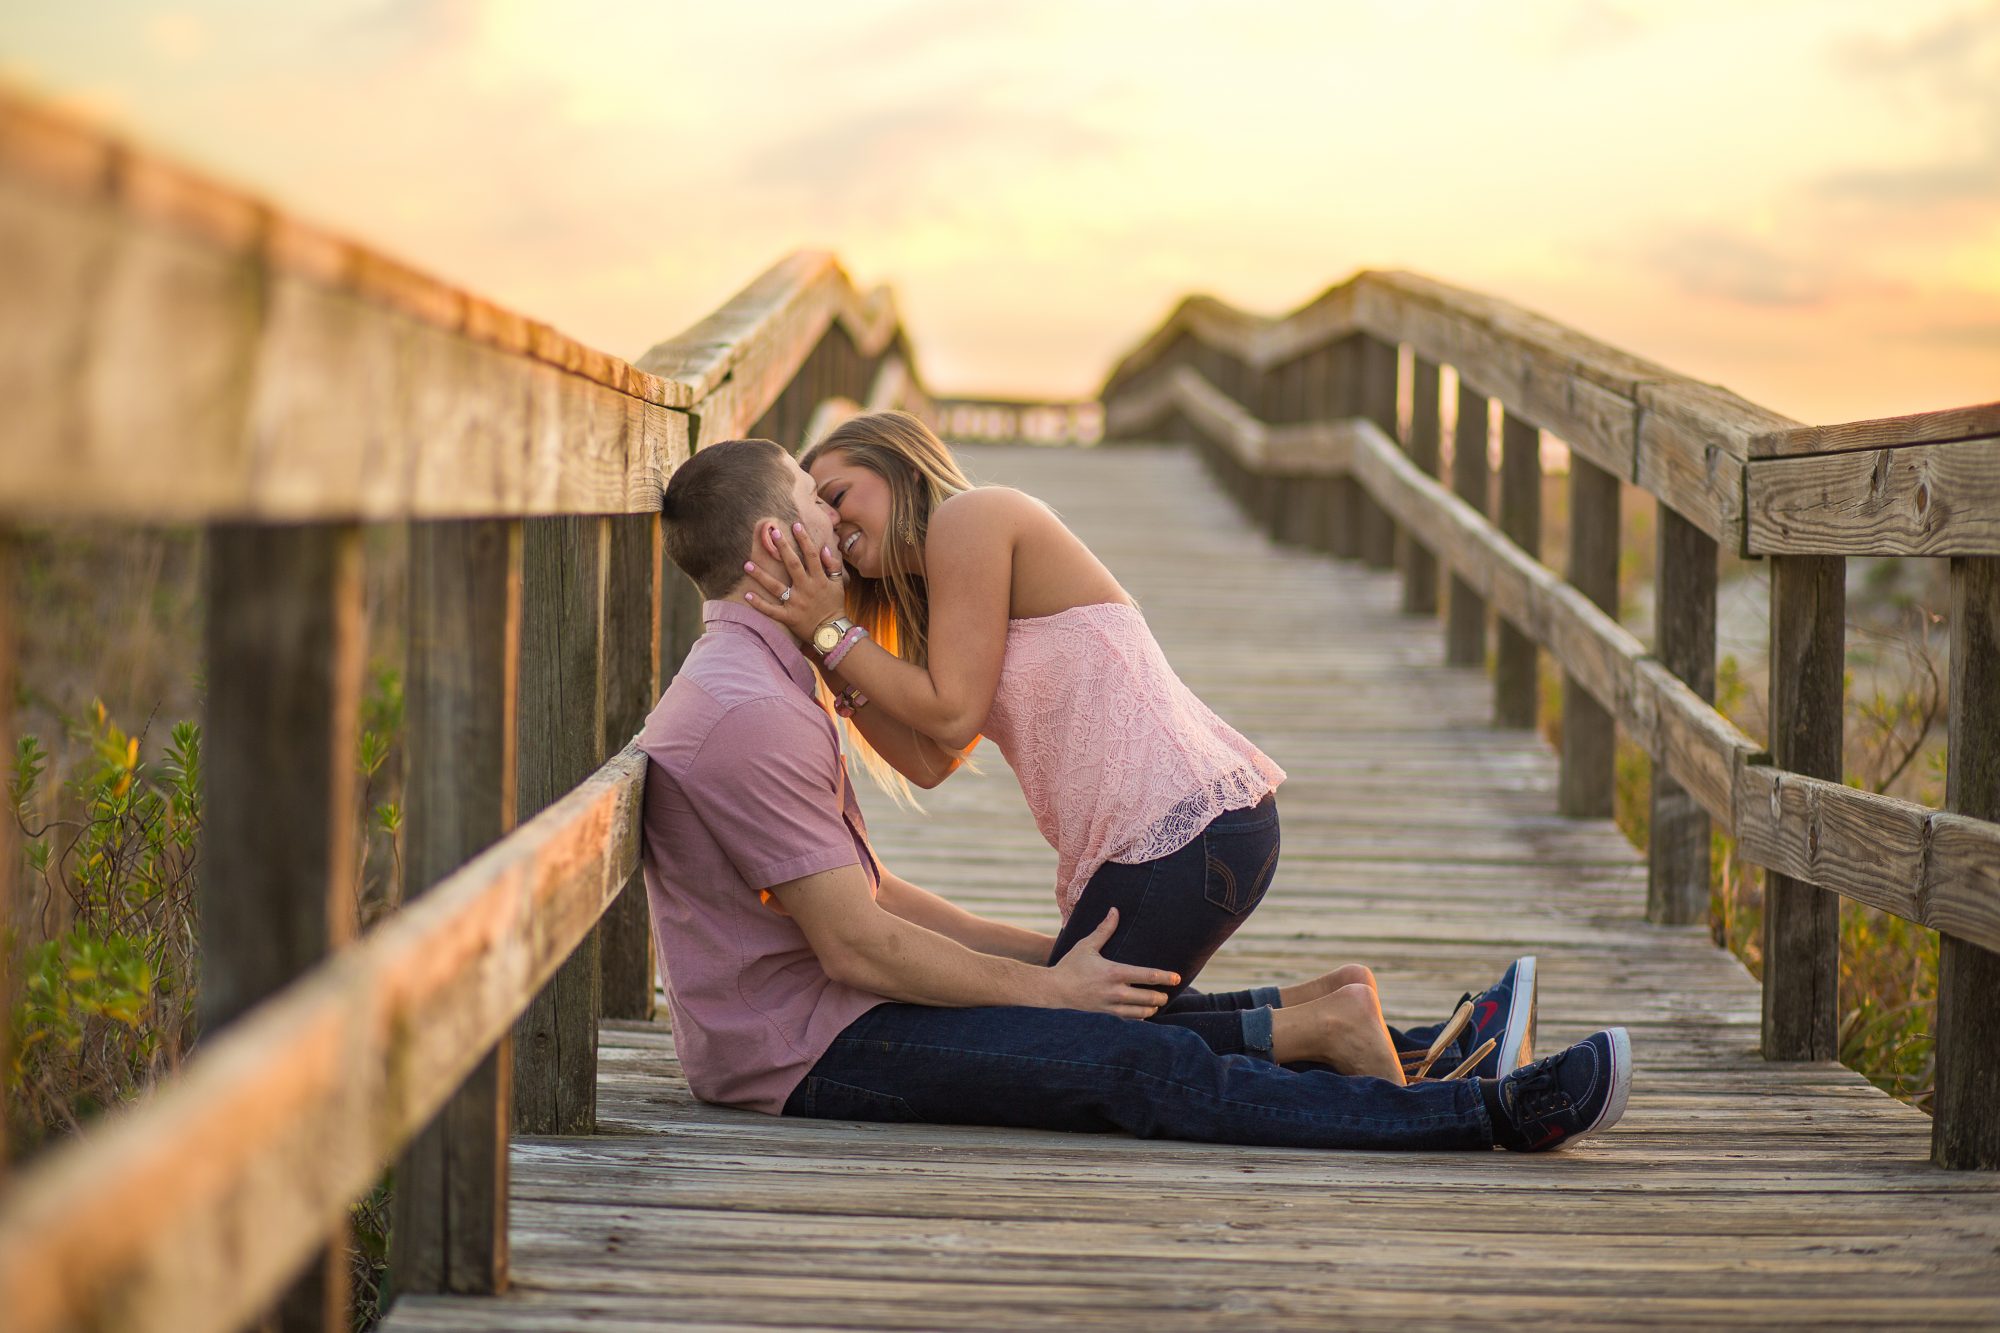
point(846, 644)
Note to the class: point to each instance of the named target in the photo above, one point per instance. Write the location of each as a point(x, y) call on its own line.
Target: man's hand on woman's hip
point(1086, 979)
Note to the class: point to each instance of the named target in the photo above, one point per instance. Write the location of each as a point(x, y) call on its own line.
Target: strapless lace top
point(1118, 759)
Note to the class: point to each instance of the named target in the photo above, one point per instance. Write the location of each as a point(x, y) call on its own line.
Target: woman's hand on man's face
point(814, 577)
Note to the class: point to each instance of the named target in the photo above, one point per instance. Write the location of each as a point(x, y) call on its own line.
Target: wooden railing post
point(1263, 491)
point(1301, 499)
point(680, 625)
point(631, 687)
point(1378, 372)
point(561, 744)
point(284, 652)
point(1801, 921)
point(1322, 492)
point(1471, 481)
point(450, 1232)
point(1420, 571)
point(1514, 684)
point(1677, 846)
point(1589, 739)
point(1966, 1131)
point(1341, 386)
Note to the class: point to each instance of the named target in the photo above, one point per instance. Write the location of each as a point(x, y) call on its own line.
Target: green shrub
point(106, 1003)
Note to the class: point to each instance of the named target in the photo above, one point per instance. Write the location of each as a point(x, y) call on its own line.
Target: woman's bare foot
point(1347, 974)
point(1343, 1029)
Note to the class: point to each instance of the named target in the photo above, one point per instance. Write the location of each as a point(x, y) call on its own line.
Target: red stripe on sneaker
point(1484, 1014)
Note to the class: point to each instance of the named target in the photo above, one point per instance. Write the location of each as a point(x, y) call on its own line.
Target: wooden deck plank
point(1734, 1194)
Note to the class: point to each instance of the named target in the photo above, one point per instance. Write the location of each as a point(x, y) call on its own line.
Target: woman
point(974, 610)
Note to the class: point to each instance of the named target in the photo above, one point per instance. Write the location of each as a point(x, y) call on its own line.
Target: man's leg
point(1091, 1073)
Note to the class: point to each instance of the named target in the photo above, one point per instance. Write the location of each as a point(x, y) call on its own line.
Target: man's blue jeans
point(1065, 1069)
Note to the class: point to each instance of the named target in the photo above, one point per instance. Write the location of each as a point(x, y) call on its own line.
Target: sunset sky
point(1799, 199)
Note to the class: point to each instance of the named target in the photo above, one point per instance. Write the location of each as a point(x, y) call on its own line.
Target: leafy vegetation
point(106, 1001)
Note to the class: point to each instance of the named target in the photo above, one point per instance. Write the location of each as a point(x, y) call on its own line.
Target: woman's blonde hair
point(920, 474)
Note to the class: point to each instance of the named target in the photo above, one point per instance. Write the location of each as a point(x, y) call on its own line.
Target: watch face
point(826, 638)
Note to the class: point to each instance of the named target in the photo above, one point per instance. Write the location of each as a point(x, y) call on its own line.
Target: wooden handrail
point(178, 350)
point(732, 364)
point(1326, 379)
point(175, 350)
point(1927, 866)
point(1681, 439)
point(190, 1209)
point(1039, 421)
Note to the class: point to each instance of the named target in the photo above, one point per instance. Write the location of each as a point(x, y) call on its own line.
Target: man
point(804, 979)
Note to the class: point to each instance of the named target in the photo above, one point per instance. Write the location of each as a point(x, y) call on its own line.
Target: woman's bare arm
point(916, 756)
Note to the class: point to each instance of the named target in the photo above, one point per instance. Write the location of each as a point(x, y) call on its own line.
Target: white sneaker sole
point(1621, 1083)
point(1517, 1043)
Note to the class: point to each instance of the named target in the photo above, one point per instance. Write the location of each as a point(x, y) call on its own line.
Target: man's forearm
point(911, 963)
point(862, 942)
point(926, 909)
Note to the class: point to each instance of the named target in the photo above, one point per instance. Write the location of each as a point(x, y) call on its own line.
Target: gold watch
point(828, 636)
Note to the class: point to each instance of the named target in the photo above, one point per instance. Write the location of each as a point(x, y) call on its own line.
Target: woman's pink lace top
point(1118, 759)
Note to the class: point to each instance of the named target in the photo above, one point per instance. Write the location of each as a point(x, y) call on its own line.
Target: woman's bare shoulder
point(987, 507)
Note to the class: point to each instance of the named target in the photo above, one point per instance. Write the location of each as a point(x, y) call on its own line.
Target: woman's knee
point(1350, 974)
point(1357, 1001)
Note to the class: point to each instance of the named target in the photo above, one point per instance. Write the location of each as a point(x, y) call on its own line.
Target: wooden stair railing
point(1297, 416)
point(175, 351)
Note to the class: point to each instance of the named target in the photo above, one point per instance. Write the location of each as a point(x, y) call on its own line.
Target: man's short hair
point(714, 500)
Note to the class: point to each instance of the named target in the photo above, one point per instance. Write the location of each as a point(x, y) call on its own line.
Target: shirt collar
point(775, 637)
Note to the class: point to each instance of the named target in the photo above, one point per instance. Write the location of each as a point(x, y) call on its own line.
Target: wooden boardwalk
point(1417, 839)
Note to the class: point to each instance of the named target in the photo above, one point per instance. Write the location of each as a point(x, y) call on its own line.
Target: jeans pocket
point(1241, 863)
point(826, 1099)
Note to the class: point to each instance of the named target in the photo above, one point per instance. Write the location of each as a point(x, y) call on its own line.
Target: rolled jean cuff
point(1265, 997)
point(1257, 1038)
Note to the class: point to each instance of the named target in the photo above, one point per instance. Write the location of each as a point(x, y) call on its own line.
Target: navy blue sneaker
point(1504, 1011)
point(1572, 1093)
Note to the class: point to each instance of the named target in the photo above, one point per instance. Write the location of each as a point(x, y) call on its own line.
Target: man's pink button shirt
point(746, 789)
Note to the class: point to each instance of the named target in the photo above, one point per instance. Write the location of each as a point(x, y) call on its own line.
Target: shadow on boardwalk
point(1417, 839)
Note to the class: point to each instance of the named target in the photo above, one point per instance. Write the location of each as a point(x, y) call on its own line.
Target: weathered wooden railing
point(173, 351)
point(1020, 421)
point(1299, 417)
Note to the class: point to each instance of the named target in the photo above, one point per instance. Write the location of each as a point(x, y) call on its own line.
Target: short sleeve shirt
point(746, 789)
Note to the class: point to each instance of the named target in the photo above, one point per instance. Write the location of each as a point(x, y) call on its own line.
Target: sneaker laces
point(1537, 1091)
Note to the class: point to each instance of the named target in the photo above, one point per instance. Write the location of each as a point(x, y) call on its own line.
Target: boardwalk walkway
point(1418, 839)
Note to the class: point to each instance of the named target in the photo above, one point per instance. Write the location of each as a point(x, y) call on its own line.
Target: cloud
point(1719, 265)
point(178, 37)
point(394, 34)
point(1969, 180)
point(1951, 67)
point(1981, 335)
point(1590, 26)
point(880, 162)
point(1950, 49)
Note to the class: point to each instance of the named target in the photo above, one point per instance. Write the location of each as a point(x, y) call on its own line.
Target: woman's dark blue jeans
point(1175, 912)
